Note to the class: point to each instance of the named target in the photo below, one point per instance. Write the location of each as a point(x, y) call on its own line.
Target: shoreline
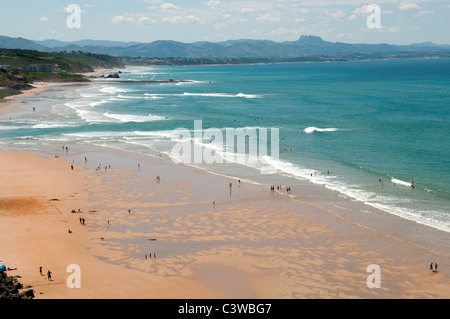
point(40, 86)
point(268, 250)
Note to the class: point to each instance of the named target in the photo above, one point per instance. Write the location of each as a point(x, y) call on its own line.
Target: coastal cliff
point(20, 68)
point(13, 82)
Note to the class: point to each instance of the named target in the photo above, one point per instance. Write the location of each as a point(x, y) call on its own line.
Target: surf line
point(146, 82)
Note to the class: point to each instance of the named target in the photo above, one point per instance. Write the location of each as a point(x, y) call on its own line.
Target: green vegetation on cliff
point(20, 68)
point(76, 61)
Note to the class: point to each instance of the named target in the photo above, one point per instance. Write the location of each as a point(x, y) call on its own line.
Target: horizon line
point(238, 39)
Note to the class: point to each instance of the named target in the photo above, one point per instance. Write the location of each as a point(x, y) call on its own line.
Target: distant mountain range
point(306, 45)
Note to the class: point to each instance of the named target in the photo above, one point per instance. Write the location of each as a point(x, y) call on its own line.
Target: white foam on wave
point(97, 103)
point(312, 129)
point(400, 182)
point(161, 134)
point(189, 82)
point(131, 97)
point(96, 135)
point(146, 96)
point(92, 116)
point(113, 90)
point(135, 118)
point(209, 94)
point(248, 96)
point(27, 138)
point(7, 128)
point(227, 95)
point(49, 125)
point(391, 204)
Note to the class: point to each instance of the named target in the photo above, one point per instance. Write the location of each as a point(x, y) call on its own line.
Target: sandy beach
point(144, 239)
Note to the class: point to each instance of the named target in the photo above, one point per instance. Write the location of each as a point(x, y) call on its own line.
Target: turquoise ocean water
point(363, 129)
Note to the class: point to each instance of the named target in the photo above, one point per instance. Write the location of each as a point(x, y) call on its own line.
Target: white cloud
point(44, 19)
point(247, 10)
point(285, 32)
point(423, 13)
point(221, 26)
point(168, 7)
point(394, 29)
point(336, 14)
point(183, 19)
point(407, 6)
point(134, 19)
point(123, 19)
point(145, 20)
point(212, 3)
point(152, 1)
point(358, 13)
point(267, 18)
point(341, 36)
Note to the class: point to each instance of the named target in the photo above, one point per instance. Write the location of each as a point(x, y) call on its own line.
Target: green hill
point(20, 68)
point(19, 43)
point(76, 62)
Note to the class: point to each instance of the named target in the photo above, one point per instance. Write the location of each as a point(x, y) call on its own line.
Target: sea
point(371, 132)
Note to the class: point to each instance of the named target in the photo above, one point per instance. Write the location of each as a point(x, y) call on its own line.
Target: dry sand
point(37, 196)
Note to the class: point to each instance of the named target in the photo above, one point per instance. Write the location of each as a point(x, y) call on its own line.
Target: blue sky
point(402, 22)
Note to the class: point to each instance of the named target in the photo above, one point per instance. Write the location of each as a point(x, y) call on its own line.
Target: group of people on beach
point(82, 221)
point(99, 167)
point(279, 187)
point(435, 267)
point(49, 273)
point(150, 256)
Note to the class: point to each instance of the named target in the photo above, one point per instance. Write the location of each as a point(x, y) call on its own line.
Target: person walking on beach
point(431, 266)
point(49, 275)
point(40, 270)
point(435, 267)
